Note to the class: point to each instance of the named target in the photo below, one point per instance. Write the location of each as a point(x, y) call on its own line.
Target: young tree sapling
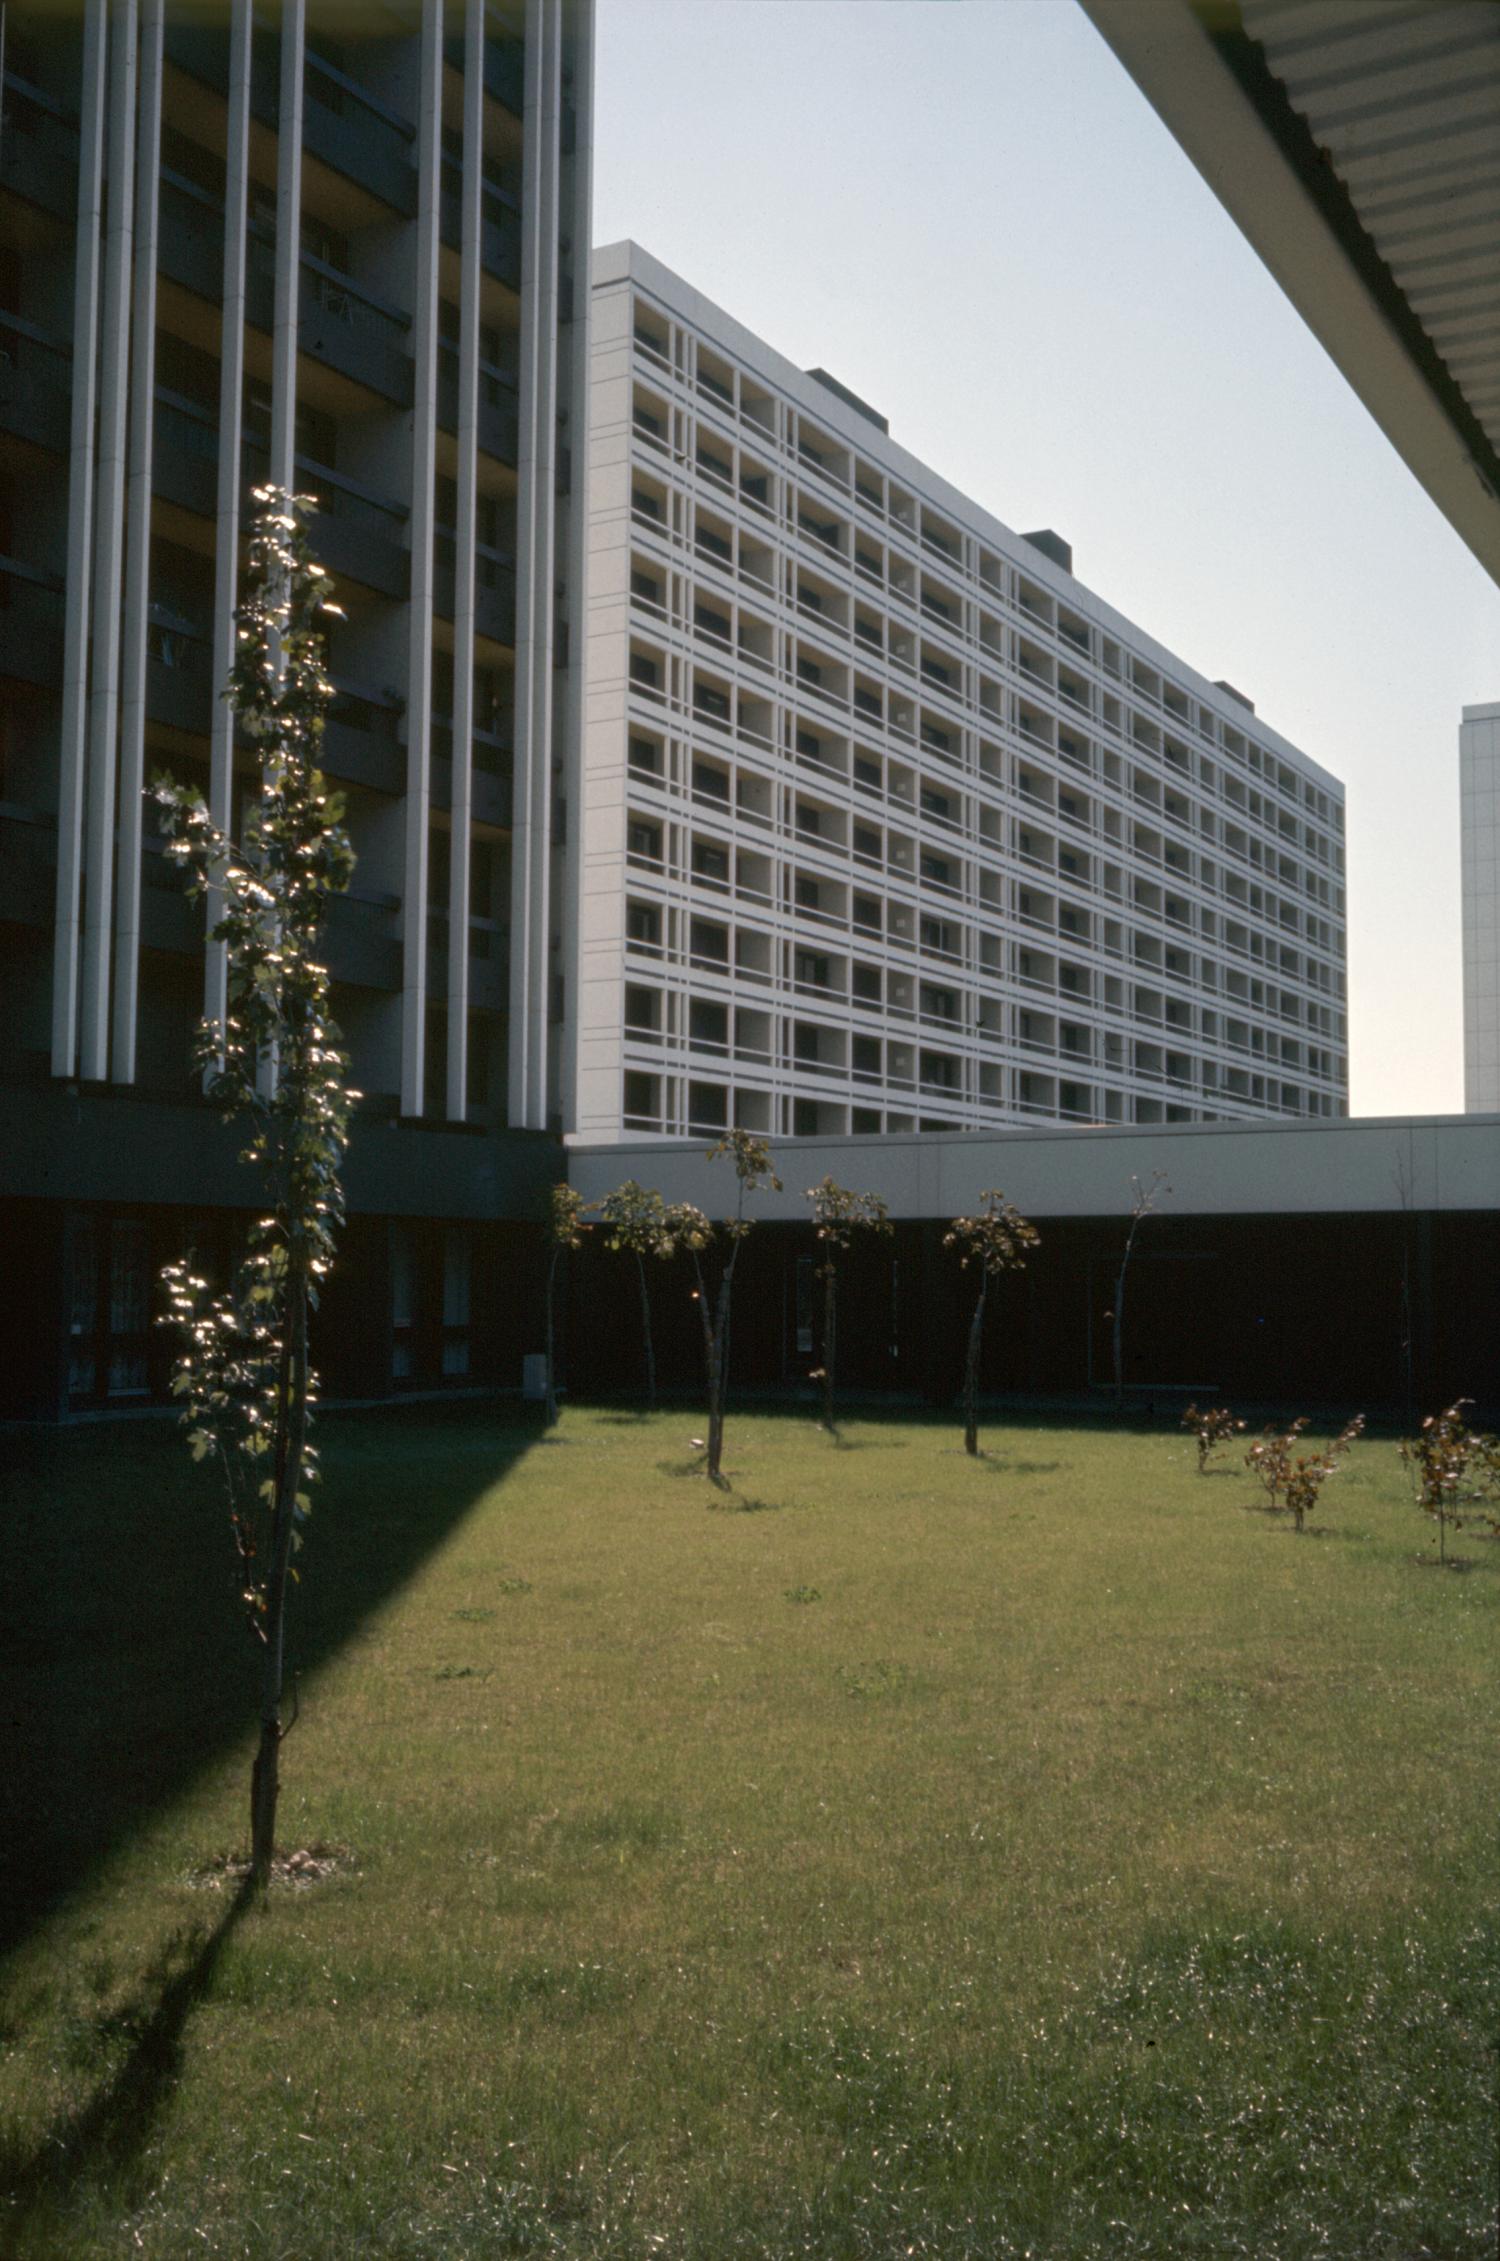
point(1145, 1195)
point(838, 1217)
point(751, 1157)
point(243, 1371)
point(997, 1240)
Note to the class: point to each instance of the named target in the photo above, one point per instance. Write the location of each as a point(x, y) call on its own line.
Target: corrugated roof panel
point(1405, 104)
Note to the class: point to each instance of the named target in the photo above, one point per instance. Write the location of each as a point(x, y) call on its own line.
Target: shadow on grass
point(102, 2137)
point(125, 1663)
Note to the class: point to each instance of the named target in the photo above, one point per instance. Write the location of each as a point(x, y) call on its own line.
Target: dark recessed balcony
point(31, 624)
point(35, 385)
point(38, 149)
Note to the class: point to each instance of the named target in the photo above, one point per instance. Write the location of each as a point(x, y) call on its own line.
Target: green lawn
point(1050, 1855)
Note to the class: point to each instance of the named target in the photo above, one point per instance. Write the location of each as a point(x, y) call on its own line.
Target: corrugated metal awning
point(1357, 144)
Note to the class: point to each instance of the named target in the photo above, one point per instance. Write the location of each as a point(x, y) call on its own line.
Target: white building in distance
point(890, 824)
point(1479, 779)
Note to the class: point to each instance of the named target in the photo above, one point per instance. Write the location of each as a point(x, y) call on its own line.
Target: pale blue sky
point(964, 209)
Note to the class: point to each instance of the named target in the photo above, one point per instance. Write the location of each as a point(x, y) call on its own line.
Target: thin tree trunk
point(1119, 1341)
point(830, 1343)
point(640, 1265)
point(710, 1352)
point(265, 1777)
point(971, 1375)
point(549, 1410)
point(718, 1374)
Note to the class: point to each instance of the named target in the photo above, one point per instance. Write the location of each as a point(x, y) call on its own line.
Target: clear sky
point(966, 212)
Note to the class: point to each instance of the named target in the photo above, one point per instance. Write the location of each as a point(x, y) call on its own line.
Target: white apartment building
point(890, 824)
point(1479, 782)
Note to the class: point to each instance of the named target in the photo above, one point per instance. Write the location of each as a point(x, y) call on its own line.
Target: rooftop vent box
point(1053, 546)
point(850, 400)
point(1238, 696)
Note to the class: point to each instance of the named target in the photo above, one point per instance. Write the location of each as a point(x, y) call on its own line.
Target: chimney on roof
point(1238, 696)
point(849, 399)
point(1052, 546)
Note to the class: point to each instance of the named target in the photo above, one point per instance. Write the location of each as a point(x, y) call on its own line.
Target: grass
point(1049, 1855)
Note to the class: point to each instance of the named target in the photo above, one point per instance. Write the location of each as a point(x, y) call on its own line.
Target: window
point(643, 924)
point(643, 670)
point(456, 1280)
point(642, 1008)
point(708, 1024)
point(708, 1107)
point(711, 862)
point(642, 1100)
point(646, 586)
point(712, 783)
point(403, 1303)
point(709, 942)
point(645, 755)
point(643, 840)
point(812, 968)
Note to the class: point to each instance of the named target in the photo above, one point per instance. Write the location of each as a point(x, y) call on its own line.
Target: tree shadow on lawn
point(101, 2138)
point(125, 1663)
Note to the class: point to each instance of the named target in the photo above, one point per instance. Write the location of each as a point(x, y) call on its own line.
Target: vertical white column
point(288, 247)
point(580, 228)
point(419, 645)
point(531, 831)
point(464, 566)
point(104, 686)
point(227, 531)
point(137, 553)
point(80, 544)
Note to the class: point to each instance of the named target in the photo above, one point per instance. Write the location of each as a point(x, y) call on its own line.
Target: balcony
point(362, 948)
point(190, 237)
point(31, 624)
point(35, 385)
point(361, 739)
point(499, 226)
point(494, 592)
point(185, 454)
point(499, 406)
point(354, 133)
point(38, 149)
point(179, 671)
point(338, 322)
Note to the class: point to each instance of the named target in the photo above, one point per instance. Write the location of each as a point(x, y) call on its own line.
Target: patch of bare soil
point(300, 1870)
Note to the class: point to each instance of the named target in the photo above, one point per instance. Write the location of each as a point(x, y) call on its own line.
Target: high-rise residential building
point(343, 252)
point(891, 823)
point(1479, 785)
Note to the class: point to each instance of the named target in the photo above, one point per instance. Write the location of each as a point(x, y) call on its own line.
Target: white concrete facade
point(891, 825)
point(344, 260)
point(1479, 786)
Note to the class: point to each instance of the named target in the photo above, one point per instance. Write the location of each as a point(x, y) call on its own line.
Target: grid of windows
point(915, 833)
